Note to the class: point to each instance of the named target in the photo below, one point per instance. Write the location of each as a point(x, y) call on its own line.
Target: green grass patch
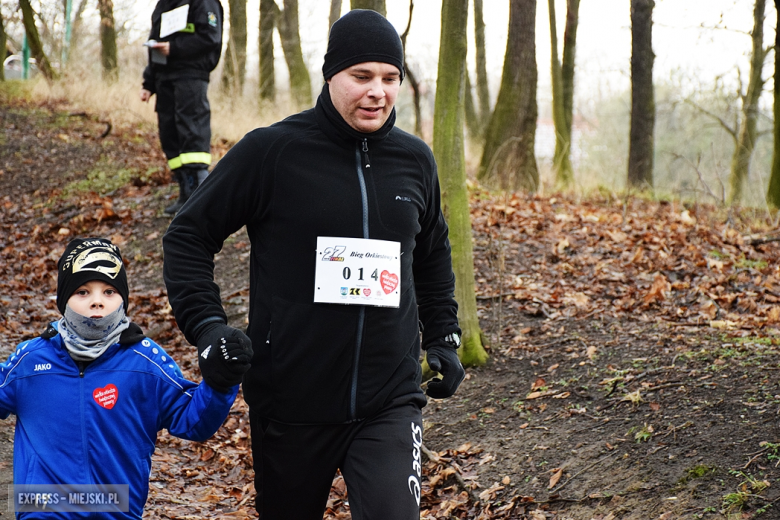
point(744, 263)
point(699, 471)
point(718, 254)
point(106, 178)
point(754, 340)
point(15, 89)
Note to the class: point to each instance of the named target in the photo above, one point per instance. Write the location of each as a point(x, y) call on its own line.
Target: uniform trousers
point(184, 121)
point(379, 458)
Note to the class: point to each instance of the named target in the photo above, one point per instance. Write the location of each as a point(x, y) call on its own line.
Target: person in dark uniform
point(350, 261)
point(178, 72)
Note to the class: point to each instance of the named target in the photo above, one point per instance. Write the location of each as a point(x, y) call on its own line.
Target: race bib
point(358, 271)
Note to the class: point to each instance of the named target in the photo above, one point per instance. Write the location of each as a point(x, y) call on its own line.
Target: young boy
point(91, 393)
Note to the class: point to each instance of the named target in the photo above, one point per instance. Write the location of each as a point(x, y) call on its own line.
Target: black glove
point(224, 355)
point(443, 358)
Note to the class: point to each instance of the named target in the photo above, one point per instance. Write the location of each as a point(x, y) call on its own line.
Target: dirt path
point(634, 349)
point(628, 419)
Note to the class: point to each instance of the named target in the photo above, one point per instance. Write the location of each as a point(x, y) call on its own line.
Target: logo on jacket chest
point(106, 396)
point(42, 366)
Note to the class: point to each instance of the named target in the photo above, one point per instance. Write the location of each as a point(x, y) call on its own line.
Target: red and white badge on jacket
point(106, 396)
point(358, 271)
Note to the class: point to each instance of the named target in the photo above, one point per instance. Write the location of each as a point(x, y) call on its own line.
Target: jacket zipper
point(83, 410)
point(361, 156)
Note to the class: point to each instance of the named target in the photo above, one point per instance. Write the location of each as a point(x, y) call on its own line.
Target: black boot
point(202, 174)
point(176, 206)
point(188, 181)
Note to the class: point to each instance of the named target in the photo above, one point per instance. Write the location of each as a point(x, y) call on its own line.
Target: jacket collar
point(339, 130)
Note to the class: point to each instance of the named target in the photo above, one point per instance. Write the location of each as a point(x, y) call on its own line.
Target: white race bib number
point(358, 271)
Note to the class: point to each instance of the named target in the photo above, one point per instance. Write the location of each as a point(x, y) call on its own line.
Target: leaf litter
point(631, 341)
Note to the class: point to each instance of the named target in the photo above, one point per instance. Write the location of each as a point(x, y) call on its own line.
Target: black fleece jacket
point(289, 183)
point(195, 51)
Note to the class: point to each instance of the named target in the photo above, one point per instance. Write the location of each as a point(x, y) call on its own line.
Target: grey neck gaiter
point(87, 338)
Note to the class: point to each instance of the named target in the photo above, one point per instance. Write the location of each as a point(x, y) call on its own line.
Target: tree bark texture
point(108, 50)
point(472, 117)
point(483, 91)
point(773, 191)
point(267, 81)
point(449, 149)
point(641, 146)
point(300, 82)
point(234, 69)
point(748, 129)
point(76, 32)
point(3, 43)
point(568, 64)
point(411, 78)
point(335, 12)
point(508, 160)
point(564, 176)
point(34, 41)
point(377, 5)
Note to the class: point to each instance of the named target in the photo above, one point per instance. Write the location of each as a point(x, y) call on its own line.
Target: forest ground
point(634, 345)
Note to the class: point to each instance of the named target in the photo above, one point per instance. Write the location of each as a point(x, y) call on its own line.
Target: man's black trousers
point(379, 458)
point(184, 120)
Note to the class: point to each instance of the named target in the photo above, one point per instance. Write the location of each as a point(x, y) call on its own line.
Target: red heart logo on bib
point(389, 282)
point(106, 397)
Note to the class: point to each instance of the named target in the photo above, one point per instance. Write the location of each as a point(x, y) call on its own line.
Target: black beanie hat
point(90, 259)
point(359, 36)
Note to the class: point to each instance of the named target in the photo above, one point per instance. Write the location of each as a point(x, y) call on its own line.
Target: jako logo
point(414, 480)
point(42, 366)
point(405, 199)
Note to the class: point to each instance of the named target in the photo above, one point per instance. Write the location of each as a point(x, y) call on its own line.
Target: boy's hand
point(224, 355)
point(443, 358)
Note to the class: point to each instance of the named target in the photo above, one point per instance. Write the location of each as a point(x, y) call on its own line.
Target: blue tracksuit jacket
point(98, 424)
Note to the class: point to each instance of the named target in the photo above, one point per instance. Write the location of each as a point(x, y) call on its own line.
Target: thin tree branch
point(719, 119)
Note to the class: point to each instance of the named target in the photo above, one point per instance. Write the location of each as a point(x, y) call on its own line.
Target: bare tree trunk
point(567, 67)
point(773, 191)
point(414, 84)
point(377, 5)
point(3, 44)
point(564, 175)
point(412, 78)
point(300, 82)
point(563, 110)
point(449, 149)
point(641, 140)
point(108, 51)
point(335, 12)
point(508, 159)
point(234, 70)
point(472, 118)
point(34, 41)
point(76, 30)
point(748, 131)
point(483, 90)
point(266, 55)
